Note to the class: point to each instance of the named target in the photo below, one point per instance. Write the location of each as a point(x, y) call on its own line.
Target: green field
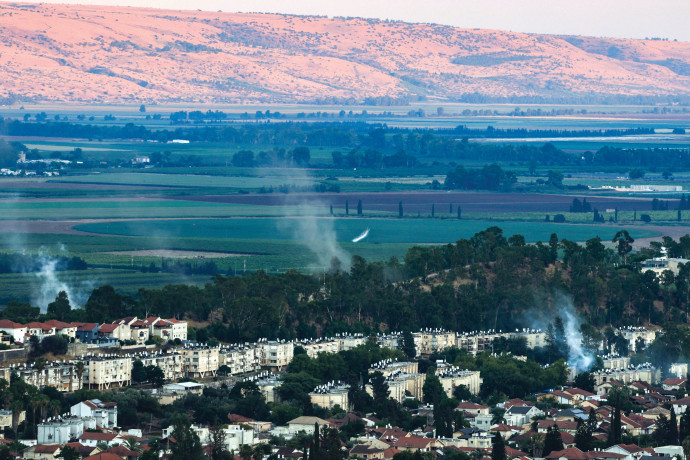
point(412, 231)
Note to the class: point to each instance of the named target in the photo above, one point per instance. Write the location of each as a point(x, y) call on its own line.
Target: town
point(621, 401)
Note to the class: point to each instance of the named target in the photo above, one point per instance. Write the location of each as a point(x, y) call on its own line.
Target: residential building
point(93, 439)
point(429, 341)
point(169, 329)
point(305, 424)
point(104, 372)
point(521, 415)
point(452, 377)
point(16, 330)
point(172, 364)
point(200, 362)
point(42, 451)
point(316, 347)
point(632, 334)
point(275, 356)
point(86, 332)
point(104, 413)
point(330, 395)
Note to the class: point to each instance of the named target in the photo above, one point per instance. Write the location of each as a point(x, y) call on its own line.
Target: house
point(86, 332)
point(305, 424)
point(366, 452)
point(631, 451)
point(123, 452)
point(169, 329)
point(42, 451)
point(674, 383)
point(104, 413)
point(103, 456)
point(506, 431)
point(92, 439)
point(473, 408)
point(521, 415)
point(414, 443)
point(571, 453)
point(563, 426)
point(116, 331)
point(680, 405)
point(84, 451)
point(40, 330)
point(62, 328)
point(16, 330)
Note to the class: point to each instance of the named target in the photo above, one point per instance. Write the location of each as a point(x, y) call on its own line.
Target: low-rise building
point(330, 395)
point(104, 413)
point(452, 377)
point(16, 330)
point(429, 341)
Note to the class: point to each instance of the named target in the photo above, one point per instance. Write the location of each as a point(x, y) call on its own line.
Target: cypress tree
point(616, 215)
point(400, 209)
point(684, 431)
point(433, 210)
point(359, 208)
point(673, 429)
point(459, 213)
point(499, 449)
point(347, 207)
point(331, 210)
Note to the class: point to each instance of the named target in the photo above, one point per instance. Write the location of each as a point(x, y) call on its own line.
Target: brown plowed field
point(415, 201)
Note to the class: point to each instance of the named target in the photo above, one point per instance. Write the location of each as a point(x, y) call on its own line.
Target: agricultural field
point(128, 222)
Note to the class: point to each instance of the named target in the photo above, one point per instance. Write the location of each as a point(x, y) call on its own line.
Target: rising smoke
point(312, 227)
point(560, 305)
point(49, 281)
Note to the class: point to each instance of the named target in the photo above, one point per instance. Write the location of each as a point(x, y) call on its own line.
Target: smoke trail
point(362, 236)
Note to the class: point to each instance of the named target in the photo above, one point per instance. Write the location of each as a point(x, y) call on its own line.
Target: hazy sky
point(612, 18)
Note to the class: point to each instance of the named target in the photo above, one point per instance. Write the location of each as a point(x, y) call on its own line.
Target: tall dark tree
point(331, 449)
point(498, 451)
point(624, 243)
point(359, 207)
point(673, 428)
point(552, 441)
point(400, 209)
point(60, 307)
point(347, 207)
point(187, 444)
point(407, 345)
point(583, 436)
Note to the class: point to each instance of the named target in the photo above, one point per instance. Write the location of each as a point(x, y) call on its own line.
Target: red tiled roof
point(236, 418)
point(572, 453)
point(122, 451)
point(81, 448)
point(415, 442)
point(108, 327)
point(7, 324)
point(98, 436)
point(46, 448)
point(104, 456)
point(471, 406)
point(86, 326)
point(674, 381)
point(578, 391)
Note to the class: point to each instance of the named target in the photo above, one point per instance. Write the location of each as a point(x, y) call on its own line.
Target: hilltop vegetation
point(485, 282)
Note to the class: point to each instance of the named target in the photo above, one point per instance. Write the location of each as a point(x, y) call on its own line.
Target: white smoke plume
point(362, 236)
point(562, 305)
point(49, 282)
point(311, 226)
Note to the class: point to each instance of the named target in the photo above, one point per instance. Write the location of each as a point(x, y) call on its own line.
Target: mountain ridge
point(76, 53)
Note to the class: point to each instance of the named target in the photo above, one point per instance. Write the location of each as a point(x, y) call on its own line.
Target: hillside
point(73, 53)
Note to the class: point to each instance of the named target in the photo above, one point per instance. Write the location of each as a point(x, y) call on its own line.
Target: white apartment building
point(235, 436)
point(430, 341)
point(172, 364)
point(276, 356)
point(200, 361)
point(452, 377)
point(104, 372)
